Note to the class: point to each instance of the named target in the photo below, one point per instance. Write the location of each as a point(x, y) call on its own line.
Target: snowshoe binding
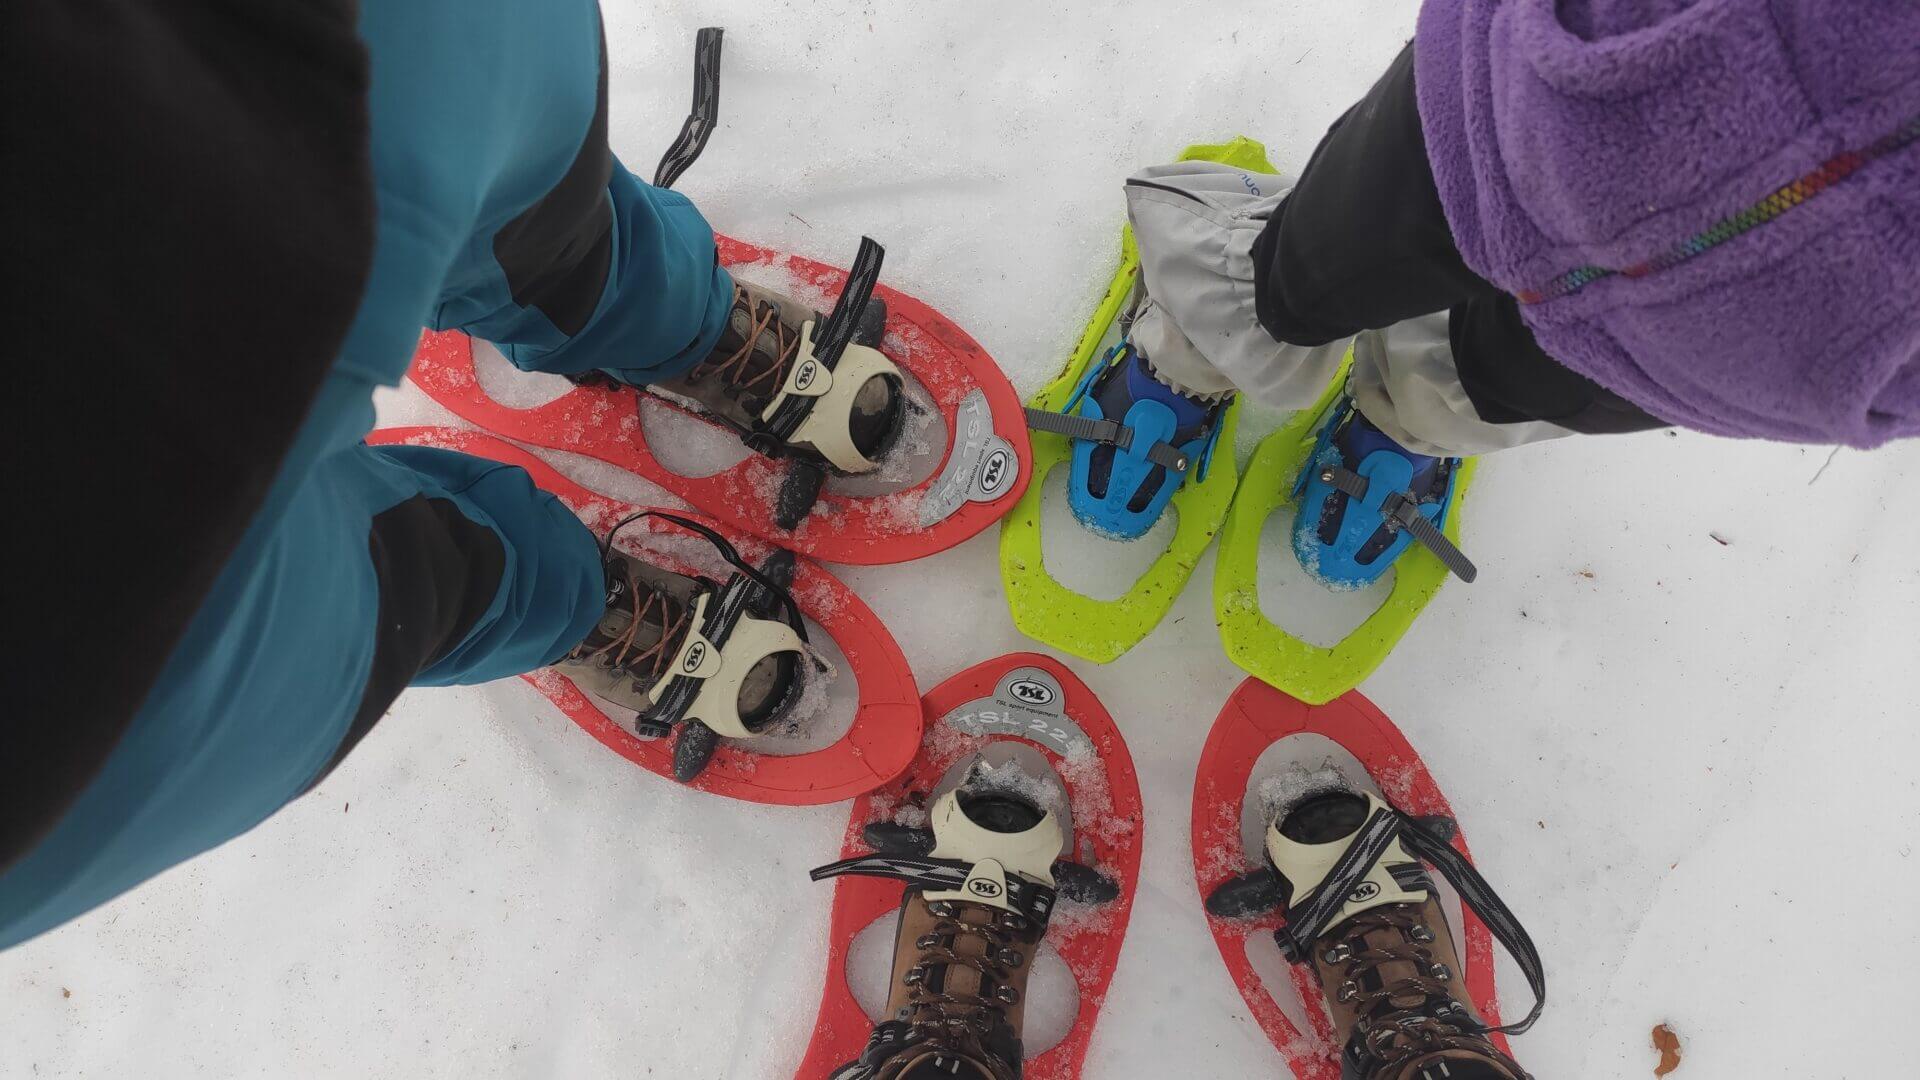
point(1364, 917)
point(1136, 445)
point(799, 386)
point(694, 659)
point(794, 383)
point(982, 880)
point(1136, 437)
point(923, 439)
point(1364, 499)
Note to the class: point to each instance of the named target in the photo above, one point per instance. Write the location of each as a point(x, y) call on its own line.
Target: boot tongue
point(960, 979)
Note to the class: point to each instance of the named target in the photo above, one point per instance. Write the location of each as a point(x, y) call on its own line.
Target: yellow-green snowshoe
point(1043, 608)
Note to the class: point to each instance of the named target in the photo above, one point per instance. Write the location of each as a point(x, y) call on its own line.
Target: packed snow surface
point(1676, 714)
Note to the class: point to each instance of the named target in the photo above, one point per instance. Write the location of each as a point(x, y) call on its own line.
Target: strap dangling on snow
point(692, 139)
point(1107, 432)
point(1308, 920)
point(1031, 899)
point(1402, 511)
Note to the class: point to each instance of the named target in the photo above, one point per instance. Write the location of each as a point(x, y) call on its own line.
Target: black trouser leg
point(1361, 243)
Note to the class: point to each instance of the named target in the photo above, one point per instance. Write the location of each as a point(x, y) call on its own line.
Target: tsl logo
point(803, 376)
point(1033, 693)
point(694, 656)
point(995, 472)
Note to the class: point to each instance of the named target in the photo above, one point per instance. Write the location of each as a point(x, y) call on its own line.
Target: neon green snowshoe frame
point(1312, 673)
point(1044, 609)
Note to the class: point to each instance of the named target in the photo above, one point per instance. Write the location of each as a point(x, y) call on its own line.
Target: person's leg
point(382, 567)
point(1361, 242)
point(592, 270)
point(1263, 284)
point(1404, 380)
point(365, 569)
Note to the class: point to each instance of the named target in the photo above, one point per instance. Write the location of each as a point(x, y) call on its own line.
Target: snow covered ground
point(1676, 714)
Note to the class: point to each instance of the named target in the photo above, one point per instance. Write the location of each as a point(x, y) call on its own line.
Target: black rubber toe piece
point(693, 749)
point(1325, 818)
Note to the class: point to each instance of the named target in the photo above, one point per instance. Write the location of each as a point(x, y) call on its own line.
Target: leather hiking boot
point(765, 356)
point(1352, 874)
point(981, 885)
point(694, 658)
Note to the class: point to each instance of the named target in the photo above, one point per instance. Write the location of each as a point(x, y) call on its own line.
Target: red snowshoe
point(1314, 830)
point(1015, 748)
point(865, 426)
point(648, 683)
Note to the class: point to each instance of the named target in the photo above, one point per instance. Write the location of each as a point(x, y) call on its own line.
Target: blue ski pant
point(500, 211)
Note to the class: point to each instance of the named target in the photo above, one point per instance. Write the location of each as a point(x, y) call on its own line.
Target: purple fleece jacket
point(1623, 134)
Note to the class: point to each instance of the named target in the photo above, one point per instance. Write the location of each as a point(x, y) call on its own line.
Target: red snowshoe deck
point(886, 729)
point(1021, 697)
point(1253, 719)
point(981, 475)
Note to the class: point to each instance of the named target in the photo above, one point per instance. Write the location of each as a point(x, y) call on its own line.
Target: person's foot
point(765, 357)
point(654, 652)
point(968, 932)
point(1360, 493)
point(1386, 961)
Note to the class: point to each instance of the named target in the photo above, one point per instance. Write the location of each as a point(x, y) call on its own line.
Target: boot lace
point(1394, 1031)
point(962, 1021)
point(647, 606)
point(746, 370)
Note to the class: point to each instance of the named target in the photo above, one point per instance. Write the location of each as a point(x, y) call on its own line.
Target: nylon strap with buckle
point(1401, 511)
point(1107, 433)
point(1031, 899)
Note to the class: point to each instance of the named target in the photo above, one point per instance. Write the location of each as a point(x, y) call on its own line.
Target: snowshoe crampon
point(1044, 608)
point(1312, 672)
point(1267, 747)
point(885, 732)
point(1019, 716)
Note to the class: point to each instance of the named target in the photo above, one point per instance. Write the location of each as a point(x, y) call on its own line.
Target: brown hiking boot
point(970, 926)
point(654, 652)
point(765, 356)
point(1362, 911)
point(1387, 964)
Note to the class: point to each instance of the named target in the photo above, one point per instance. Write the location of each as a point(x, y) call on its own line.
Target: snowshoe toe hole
point(878, 414)
point(1324, 819)
point(769, 689)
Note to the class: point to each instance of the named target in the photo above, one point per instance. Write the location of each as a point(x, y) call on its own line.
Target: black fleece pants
point(1361, 243)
